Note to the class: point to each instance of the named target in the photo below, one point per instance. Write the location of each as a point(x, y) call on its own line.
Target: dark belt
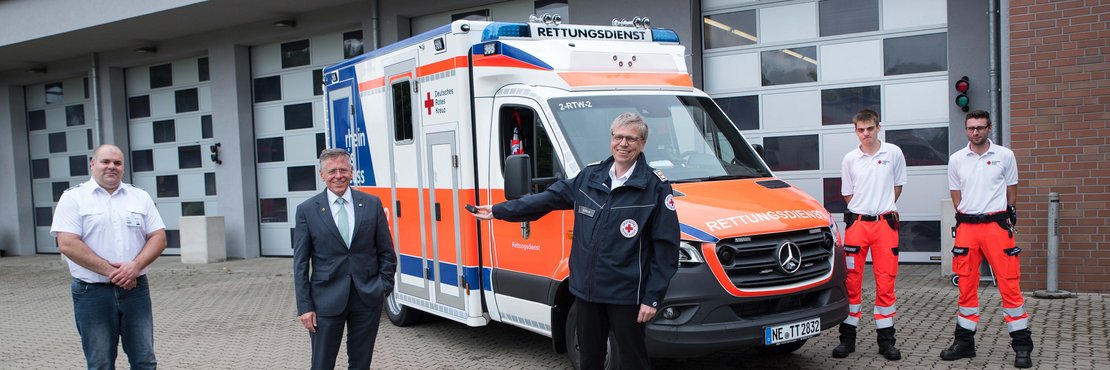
point(982, 218)
point(855, 216)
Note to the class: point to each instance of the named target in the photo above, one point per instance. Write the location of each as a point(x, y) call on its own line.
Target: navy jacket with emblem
point(608, 265)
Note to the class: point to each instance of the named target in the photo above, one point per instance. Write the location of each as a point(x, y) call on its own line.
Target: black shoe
point(843, 349)
point(957, 351)
point(886, 344)
point(1022, 359)
point(847, 341)
point(890, 353)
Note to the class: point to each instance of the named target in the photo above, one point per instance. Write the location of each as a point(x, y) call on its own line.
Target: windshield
point(689, 139)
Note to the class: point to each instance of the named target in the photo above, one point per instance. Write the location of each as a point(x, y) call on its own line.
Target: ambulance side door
point(526, 255)
point(408, 182)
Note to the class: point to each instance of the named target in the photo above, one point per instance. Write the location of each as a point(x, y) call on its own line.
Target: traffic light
point(962, 100)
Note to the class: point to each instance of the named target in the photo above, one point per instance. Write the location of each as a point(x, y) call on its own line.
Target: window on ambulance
point(522, 132)
point(402, 111)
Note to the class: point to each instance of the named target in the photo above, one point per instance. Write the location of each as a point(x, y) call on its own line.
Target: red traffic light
point(963, 84)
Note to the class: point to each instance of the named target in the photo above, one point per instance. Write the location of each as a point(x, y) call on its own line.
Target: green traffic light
point(962, 101)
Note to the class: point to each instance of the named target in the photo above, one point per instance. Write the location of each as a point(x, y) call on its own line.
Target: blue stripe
point(411, 266)
point(450, 272)
point(697, 233)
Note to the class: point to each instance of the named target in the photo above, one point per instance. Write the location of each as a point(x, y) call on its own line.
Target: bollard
point(1053, 250)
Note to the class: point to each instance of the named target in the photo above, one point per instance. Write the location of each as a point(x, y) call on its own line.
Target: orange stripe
point(440, 66)
point(399, 76)
point(578, 79)
point(371, 84)
point(707, 251)
point(503, 61)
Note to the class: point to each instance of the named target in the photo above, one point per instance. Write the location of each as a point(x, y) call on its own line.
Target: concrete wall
point(17, 231)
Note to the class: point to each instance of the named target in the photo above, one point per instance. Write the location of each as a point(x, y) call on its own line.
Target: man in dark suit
point(343, 264)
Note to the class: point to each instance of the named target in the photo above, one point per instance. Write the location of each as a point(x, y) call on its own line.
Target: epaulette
point(594, 164)
point(73, 187)
point(660, 175)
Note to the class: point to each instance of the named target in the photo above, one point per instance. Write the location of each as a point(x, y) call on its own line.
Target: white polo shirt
point(870, 179)
point(114, 226)
point(982, 179)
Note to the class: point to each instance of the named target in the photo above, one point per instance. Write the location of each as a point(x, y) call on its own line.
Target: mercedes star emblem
point(789, 257)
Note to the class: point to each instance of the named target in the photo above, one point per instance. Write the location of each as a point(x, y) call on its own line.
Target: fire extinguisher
point(515, 146)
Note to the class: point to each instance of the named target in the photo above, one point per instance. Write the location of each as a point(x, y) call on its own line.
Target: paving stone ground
point(241, 315)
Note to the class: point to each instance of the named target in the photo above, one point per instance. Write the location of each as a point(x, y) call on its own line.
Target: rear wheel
point(401, 315)
point(612, 358)
point(782, 349)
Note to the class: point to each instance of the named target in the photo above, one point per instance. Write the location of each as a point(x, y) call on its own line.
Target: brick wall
point(1060, 132)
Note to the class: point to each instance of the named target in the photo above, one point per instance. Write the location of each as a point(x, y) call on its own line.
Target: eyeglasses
point(978, 128)
point(632, 140)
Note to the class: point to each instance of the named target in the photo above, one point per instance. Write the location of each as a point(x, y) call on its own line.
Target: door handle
point(525, 229)
point(437, 212)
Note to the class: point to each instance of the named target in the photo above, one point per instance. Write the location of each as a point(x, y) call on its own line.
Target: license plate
point(773, 335)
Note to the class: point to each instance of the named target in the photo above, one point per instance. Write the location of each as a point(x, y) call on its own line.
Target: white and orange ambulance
point(480, 112)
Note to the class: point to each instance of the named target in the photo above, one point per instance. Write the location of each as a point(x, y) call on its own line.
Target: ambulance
point(480, 112)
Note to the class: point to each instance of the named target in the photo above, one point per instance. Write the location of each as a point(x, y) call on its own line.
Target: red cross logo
point(429, 103)
point(629, 228)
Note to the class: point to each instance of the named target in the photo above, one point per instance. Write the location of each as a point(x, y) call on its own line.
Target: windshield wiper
point(718, 177)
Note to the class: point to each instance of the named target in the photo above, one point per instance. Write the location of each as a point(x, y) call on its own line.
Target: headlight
point(688, 253)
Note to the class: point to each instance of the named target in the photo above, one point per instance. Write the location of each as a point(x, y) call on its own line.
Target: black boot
point(847, 341)
point(886, 344)
point(962, 347)
point(1022, 342)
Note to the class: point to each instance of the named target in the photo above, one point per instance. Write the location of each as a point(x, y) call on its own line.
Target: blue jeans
point(105, 313)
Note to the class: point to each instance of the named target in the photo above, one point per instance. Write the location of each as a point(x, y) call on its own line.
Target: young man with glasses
point(625, 245)
point(871, 176)
point(983, 180)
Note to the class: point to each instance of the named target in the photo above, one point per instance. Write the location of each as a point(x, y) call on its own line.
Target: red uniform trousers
point(974, 241)
point(882, 240)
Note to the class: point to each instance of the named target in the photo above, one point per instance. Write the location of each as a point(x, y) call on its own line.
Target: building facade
point(217, 103)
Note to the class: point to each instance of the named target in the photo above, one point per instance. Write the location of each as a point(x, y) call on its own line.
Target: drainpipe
point(94, 85)
point(995, 67)
point(374, 24)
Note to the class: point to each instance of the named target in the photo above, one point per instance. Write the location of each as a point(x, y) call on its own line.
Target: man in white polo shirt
point(871, 176)
point(983, 180)
point(110, 232)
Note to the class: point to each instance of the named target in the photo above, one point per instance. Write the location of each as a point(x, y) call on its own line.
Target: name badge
point(133, 221)
point(586, 211)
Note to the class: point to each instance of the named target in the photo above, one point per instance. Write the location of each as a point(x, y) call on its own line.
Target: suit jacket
point(324, 268)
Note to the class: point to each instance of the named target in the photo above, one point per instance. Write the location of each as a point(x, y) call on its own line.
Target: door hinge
point(352, 106)
point(455, 160)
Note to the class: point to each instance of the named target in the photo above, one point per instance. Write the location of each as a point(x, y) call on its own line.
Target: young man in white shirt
point(872, 176)
point(983, 180)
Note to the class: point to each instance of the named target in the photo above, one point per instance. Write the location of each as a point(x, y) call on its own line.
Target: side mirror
point(518, 176)
point(758, 150)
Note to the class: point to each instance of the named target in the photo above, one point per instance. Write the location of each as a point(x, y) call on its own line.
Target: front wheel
point(401, 315)
point(782, 349)
point(612, 358)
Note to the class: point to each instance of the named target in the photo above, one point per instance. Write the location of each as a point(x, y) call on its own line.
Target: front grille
point(752, 262)
point(779, 305)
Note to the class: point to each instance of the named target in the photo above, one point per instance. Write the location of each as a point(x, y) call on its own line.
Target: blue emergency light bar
point(498, 30)
point(664, 35)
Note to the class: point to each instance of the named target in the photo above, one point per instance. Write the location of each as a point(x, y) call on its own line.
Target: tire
point(612, 358)
point(782, 349)
point(400, 314)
